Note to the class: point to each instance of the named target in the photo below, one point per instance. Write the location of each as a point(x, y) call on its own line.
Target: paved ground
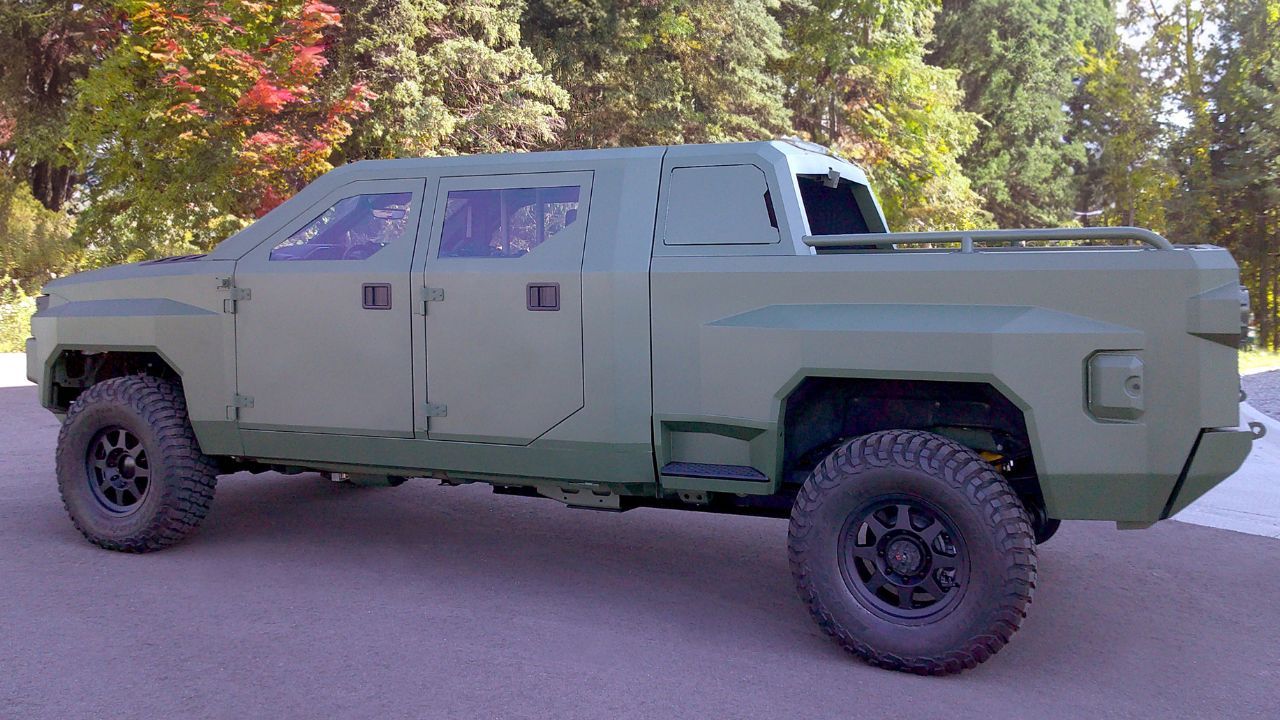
point(1248, 501)
point(13, 370)
point(302, 598)
point(1263, 389)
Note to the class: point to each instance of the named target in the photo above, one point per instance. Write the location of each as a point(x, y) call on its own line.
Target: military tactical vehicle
point(722, 328)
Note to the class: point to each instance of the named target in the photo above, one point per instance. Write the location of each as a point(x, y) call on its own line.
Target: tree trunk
point(51, 184)
point(1264, 304)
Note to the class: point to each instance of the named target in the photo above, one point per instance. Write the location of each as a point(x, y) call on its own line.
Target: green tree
point(1245, 101)
point(450, 77)
point(857, 81)
point(204, 115)
point(1127, 178)
point(642, 72)
point(1017, 61)
point(35, 245)
point(1179, 39)
point(35, 242)
point(46, 46)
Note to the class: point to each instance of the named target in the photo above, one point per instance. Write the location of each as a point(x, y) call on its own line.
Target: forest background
point(131, 130)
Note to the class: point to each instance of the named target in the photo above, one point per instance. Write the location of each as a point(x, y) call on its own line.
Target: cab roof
point(798, 156)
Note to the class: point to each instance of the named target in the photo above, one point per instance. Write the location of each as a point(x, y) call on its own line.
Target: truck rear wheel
point(912, 552)
point(130, 472)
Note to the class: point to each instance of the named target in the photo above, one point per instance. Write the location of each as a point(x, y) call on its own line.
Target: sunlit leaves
point(662, 71)
point(1018, 60)
point(450, 77)
point(857, 80)
point(35, 242)
point(207, 111)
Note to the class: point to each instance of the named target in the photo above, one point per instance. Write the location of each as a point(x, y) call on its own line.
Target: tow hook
point(1258, 429)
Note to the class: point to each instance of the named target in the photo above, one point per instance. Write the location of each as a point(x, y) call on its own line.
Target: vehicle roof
point(404, 166)
point(800, 156)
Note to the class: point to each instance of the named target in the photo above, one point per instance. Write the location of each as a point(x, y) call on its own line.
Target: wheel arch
point(72, 369)
point(817, 411)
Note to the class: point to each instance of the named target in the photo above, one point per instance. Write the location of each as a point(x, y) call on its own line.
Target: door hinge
point(430, 295)
point(237, 402)
point(431, 410)
point(237, 295)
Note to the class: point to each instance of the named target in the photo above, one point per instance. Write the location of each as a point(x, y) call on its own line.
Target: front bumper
point(1217, 454)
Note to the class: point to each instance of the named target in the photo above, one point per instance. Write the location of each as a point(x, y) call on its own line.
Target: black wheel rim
point(118, 470)
point(904, 559)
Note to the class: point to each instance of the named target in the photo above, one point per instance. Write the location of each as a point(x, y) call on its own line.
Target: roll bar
point(967, 238)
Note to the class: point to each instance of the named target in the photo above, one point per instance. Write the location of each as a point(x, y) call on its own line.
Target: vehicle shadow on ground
point(657, 566)
point(469, 532)
point(1093, 597)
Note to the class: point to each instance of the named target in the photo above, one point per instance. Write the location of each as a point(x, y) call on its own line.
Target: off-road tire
point(996, 534)
point(181, 477)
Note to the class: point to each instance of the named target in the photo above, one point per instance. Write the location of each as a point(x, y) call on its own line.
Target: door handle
point(376, 296)
point(543, 296)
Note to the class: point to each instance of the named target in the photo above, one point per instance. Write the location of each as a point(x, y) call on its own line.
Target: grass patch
point(1256, 361)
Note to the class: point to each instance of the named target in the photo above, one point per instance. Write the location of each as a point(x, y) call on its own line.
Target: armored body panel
point(702, 327)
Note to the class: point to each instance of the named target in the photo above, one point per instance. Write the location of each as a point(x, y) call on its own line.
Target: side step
point(708, 471)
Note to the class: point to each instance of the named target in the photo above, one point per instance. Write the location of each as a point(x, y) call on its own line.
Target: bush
point(36, 244)
point(1257, 360)
point(16, 309)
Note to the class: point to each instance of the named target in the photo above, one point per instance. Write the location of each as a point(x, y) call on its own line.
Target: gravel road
point(1263, 390)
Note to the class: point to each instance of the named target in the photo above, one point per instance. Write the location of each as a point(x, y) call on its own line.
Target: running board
point(708, 471)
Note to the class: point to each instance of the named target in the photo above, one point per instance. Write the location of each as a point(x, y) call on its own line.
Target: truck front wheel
point(130, 471)
point(912, 552)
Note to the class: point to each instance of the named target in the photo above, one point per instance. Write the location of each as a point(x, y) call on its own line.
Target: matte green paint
point(482, 335)
point(613, 463)
point(307, 351)
point(667, 351)
point(719, 440)
point(1218, 453)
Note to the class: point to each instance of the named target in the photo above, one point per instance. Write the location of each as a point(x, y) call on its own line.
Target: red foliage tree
point(210, 108)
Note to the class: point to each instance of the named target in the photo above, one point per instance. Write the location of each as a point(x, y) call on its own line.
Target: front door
point(323, 340)
point(504, 336)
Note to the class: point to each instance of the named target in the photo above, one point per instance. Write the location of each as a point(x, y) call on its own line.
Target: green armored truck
point(727, 328)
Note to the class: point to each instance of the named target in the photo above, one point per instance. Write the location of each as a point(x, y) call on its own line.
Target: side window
point(505, 223)
point(353, 228)
point(720, 205)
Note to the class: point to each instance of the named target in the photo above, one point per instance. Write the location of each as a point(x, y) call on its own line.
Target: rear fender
point(1034, 356)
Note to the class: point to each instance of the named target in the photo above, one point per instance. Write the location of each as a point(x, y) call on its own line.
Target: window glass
point(831, 210)
point(353, 228)
point(505, 223)
point(720, 205)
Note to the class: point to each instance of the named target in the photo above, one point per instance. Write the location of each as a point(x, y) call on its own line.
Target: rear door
point(504, 332)
point(323, 326)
